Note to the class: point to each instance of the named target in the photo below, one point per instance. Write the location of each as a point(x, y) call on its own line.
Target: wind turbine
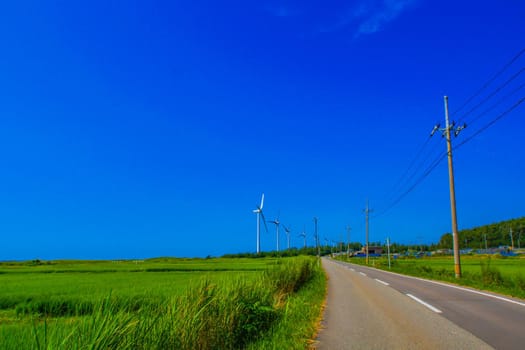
point(303, 234)
point(260, 214)
point(287, 231)
point(277, 223)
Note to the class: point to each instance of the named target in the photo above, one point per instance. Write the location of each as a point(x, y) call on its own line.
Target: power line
point(411, 164)
point(442, 156)
point(491, 123)
point(498, 89)
point(422, 163)
point(496, 104)
point(423, 176)
point(406, 180)
point(407, 185)
point(507, 65)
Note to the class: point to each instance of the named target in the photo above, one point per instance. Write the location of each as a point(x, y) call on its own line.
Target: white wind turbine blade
point(264, 220)
point(262, 201)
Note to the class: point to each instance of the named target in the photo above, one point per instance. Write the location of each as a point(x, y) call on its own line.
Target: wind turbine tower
point(260, 215)
point(303, 234)
point(277, 223)
point(287, 231)
point(317, 237)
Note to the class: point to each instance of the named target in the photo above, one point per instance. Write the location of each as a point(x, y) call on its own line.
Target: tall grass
point(230, 314)
point(482, 272)
point(299, 319)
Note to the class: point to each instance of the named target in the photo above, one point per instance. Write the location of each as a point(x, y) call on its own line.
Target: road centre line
point(362, 273)
point(457, 287)
point(424, 303)
point(382, 282)
point(351, 269)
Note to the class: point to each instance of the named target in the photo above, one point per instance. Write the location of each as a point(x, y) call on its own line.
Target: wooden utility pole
point(388, 250)
point(348, 240)
point(457, 263)
point(367, 211)
point(446, 133)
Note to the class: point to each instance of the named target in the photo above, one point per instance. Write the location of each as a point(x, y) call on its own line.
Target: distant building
point(373, 250)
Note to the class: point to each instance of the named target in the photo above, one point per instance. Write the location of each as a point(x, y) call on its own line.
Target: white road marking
point(457, 287)
point(424, 303)
point(471, 291)
point(463, 289)
point(362, 273)
point(351, 269)
point(382, 282)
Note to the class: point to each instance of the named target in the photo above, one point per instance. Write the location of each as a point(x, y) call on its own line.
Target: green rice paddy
point(157, 303)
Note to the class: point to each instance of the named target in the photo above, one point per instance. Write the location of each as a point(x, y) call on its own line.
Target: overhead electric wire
point(503, 69)
point(493, 93)
point(438, 160)
point(405, 173)
point(491, 123)
point(423, 176)
point(501, 100)
point(405, 181)
point(422, 163)
point(442, 155)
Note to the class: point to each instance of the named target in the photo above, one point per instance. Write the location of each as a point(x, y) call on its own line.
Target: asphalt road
point(374, 309)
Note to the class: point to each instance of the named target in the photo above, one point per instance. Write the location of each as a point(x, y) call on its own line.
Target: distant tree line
point(274, 253)
point(496, 234)
point(311, 250)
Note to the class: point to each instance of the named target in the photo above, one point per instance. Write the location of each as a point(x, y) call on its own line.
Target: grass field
point(490, 272)
point(77, 282)
point(158, 303)
point(88, 278)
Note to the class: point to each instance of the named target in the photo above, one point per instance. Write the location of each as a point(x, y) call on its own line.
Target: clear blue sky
point(135, 129)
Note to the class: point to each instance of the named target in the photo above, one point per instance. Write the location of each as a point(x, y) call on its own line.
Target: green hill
point(497, 234)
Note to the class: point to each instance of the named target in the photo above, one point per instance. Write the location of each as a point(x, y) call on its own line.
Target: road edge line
point(450, 286)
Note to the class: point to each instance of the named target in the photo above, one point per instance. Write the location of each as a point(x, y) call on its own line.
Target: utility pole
point(511, 240)
point(348, 228)
point(446, 133)
point(388, 250)
point(367, 211)
point(485, 236)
